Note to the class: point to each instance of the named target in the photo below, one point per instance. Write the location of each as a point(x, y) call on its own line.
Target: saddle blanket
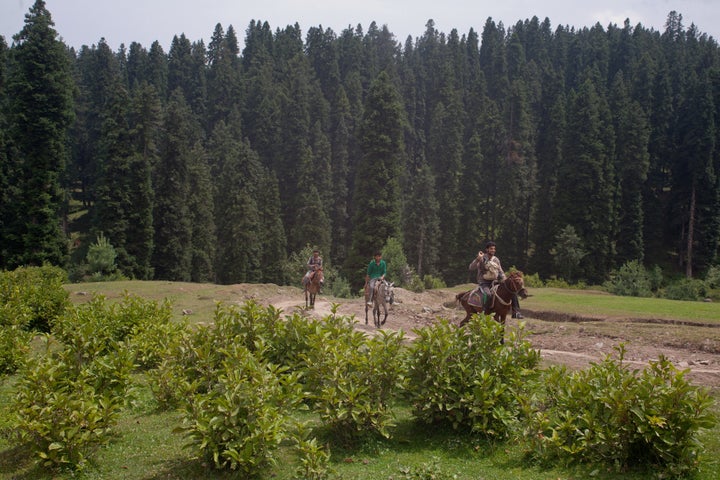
point(476, 298)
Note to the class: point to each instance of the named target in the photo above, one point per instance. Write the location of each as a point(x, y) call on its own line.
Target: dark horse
point(312, 287)
point(500, 302)
point(384, 294)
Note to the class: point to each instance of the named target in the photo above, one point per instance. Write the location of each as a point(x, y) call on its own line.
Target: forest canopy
point(218, 162)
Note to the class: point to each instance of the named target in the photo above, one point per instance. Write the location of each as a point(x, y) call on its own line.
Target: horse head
point(389, 292)
point(515, 281)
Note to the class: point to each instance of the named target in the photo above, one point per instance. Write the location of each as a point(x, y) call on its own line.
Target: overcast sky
point(85, 22)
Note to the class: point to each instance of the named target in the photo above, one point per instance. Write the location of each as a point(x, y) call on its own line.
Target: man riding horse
point(314, 263)
point(489, 270)
point(377, 269)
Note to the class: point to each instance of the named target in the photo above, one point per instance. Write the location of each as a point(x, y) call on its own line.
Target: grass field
point(145, 447)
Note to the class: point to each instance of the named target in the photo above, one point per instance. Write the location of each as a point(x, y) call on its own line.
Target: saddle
point(479, 296)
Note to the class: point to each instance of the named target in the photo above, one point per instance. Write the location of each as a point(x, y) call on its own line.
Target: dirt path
point(561, 339)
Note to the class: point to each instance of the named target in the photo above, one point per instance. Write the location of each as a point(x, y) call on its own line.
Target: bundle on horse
point(499, 301)
point(383, 296)
point(312, 287)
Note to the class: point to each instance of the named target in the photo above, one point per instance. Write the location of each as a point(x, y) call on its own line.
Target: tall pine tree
point(39, 92)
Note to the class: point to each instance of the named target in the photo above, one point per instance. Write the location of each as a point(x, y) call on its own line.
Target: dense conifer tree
point(584, 174)
point(423, 240)
point(237, 214)
point(40, 112)
point(631, 164)
point(202, 219)
point(172, 257)
point(273, 239)
point(377, 189)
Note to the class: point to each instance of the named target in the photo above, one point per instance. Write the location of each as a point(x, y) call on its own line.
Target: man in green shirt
point(377, 269)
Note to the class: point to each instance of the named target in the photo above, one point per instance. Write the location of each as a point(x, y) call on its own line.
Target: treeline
point(576, 150)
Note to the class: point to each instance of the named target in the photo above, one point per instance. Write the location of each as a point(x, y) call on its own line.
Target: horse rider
point(377, 269)
point(489, 270)
point(313, 264)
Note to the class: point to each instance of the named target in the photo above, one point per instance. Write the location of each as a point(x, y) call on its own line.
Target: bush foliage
point(242, 379)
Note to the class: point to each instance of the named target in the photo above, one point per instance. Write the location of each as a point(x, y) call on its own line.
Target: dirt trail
point(562, 339)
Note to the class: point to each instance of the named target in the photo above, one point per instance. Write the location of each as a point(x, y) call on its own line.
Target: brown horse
point(384, 294)
point(500, 302)
point(312, 287)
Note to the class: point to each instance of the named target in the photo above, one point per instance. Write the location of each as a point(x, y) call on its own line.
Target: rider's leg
point(516, 307)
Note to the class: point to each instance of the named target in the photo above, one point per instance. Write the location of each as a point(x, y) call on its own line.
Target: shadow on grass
point(18, 463)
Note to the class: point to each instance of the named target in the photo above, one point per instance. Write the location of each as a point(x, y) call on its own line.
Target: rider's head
point(377, 255)
point(490, 247)
point(316, 252)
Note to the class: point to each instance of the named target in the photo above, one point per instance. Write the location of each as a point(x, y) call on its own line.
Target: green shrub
point(466, 378)
point(554, 282)
point(533, 281)
point(14, 345)
point(609, 415)
point(712, 277)
point(432, 282)
point(240, 421)
point(630, 280)
point(14, 340)
point(38, 292)
point(351, 378)
point(340, 287)
point(67, 405)
point(686, 289)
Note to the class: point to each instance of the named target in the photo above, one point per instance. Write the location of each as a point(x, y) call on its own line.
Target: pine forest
point(577, 150)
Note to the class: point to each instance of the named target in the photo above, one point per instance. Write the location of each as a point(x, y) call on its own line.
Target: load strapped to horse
point(383, 295)
point(497, 301)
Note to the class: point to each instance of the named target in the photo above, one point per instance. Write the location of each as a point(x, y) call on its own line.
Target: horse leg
point(307, 303)
point(385, 308)
point(500, 318)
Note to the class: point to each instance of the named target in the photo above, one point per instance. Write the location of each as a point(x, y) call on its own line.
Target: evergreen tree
point(39, 92)
point(172, 257)
point(114, 199)
point(631, 163)
point(202, 219)
point(423, 240)
point(585, 174)
point(237, 215)
point(224, 88)
point(273, 239)
point(145, 118)
point(377, 187)
point(312, 225)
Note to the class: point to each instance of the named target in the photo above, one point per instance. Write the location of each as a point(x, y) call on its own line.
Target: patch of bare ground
point(571, 340)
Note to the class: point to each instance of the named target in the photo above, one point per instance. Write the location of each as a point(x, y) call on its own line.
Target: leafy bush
point(14, 340)
point(340, 287)
point(686, 289)
point(466, 378)
point(397, 265)
point(533, 281)
point(351, 379)
point(609, 415)
point(67, 404)
point(242, 419)
point(630, 280)
point(37, 292)
point(712, 277)
point(432, 282)
point(14, 345)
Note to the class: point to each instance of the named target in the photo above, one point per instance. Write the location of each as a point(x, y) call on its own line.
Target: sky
point(85, 22)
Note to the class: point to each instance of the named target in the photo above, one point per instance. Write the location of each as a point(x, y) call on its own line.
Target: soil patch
point(571, 340)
